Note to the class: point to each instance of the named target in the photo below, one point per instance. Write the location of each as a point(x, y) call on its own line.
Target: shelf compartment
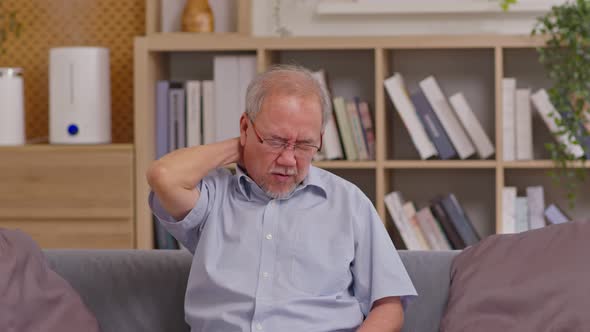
point(553, 192)
point(473, 188)
point(469, 71)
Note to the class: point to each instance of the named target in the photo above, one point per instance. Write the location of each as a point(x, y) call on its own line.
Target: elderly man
point(281, 245)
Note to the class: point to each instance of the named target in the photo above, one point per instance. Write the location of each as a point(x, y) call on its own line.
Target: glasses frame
point(286, 144)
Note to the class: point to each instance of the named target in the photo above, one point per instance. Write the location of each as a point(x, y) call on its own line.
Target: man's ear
point(244, 123)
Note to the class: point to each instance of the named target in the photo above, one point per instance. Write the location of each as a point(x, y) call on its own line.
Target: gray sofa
point(134, 290)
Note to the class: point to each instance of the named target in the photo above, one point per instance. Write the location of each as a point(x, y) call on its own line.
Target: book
point(481, 140)
point(459, 218)
point(433, 127)
point(162, 115)
point(432, 230)
point(357, 130)
point(368, 128)
point(508, 210)
point(521, 207)
point(508, 118)
point(410, 211)
point(176, 109)
point(447, 117)
point(171, 15)
point(398, 94)
point(448, 227)
point(209, 115)
point(524, 125)
point(345, 128)
point(550, 116)
point(536, 204)
point(193, 113)
point(226, 70)
point(555, 215)
point(332, 145)
point(394, 204)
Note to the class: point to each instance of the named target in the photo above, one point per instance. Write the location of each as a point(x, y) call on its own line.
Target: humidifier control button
point(73, 130)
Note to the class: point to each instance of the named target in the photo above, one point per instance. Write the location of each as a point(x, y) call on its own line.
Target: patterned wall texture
point(52, 23)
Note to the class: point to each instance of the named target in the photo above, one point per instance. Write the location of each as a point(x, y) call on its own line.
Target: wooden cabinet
point(69, 196)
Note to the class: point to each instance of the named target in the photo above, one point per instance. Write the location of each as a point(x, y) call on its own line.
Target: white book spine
point(393, 202)
point(480, 139)
point(524, 125)
point(397, 92)
point(508, 210)
point(345, 128)
point(246, 73)
point(193, 113)
point(536, 202)
point(332, 148)
point(521, 215)
point(550, 115)
point(508, 117)
point(227, 96)
point(209, 112)
point(447, 118)
point(410, 212)
point(225, 15)
point(171, 15)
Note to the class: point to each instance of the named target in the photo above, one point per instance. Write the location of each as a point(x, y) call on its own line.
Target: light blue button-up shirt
point(314, 261)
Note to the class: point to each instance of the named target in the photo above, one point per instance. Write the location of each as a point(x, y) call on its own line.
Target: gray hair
point(288, 79)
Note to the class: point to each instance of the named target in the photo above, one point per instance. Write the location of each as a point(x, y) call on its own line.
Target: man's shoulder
point(334, 183)
point(219, 175)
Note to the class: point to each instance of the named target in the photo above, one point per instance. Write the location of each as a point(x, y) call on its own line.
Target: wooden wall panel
point(52, 23)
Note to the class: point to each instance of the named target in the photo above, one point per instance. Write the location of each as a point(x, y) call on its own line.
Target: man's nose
point(287, 157)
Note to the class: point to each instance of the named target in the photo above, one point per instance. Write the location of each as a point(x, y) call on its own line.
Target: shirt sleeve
point(377, 269)
point(187, 230)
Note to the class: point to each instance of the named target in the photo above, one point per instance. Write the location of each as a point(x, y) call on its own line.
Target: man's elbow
point(156, 175)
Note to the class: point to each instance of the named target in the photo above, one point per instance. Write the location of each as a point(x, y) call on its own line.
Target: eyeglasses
point(277, 145)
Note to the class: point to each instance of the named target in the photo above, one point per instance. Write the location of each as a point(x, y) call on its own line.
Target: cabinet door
point(69, 196)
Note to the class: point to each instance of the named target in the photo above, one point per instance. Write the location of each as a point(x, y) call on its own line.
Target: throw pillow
point(531, 281)
point(33, 297)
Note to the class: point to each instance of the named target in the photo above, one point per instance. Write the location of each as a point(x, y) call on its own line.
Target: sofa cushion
point(532, 281)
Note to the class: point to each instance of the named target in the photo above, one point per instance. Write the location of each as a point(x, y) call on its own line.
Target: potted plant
point(566, 58)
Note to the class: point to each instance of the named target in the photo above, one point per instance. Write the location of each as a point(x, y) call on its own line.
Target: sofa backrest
point(128, 290)
point(430, 272)
point(136, 290)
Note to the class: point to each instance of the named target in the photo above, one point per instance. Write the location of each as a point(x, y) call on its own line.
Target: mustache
point(284, 171)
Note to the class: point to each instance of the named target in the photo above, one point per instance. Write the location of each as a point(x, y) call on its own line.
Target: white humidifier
point(12, 107)
point(79, 96)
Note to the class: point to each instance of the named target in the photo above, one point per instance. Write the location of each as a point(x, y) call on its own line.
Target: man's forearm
point(387, 315)
point(174, 177)
point(188, 166)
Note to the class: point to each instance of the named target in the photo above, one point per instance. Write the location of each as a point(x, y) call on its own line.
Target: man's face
point(283, 118)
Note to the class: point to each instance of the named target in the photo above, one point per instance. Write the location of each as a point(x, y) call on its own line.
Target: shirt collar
point(313, 181)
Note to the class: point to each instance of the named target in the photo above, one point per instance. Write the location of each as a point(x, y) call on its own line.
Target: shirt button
point(259, 326)
point(269, 236)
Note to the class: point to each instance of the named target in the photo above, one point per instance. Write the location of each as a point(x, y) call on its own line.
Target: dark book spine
point(459, 219)
point(449, 229)
point(433, 127)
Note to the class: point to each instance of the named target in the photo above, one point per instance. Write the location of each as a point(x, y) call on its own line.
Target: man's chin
point(279, 194)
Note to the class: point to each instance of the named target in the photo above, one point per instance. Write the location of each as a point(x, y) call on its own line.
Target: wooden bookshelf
point(397, 164)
